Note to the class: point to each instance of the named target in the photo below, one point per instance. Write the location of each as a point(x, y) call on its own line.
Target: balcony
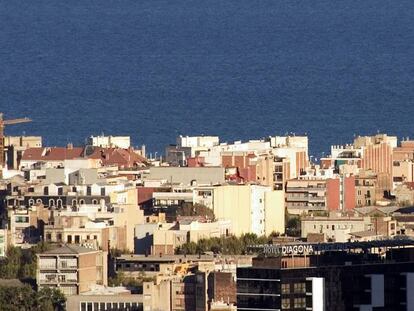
point(297, 198)
point(57, 278)
point(48, 267)
point(316, 199)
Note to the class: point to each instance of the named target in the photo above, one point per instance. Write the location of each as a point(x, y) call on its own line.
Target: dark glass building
point(333, 280)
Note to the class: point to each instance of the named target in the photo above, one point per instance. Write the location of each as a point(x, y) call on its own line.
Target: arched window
point(81, 201)
point(39, 201)
point(51, 202)
point(31, 202)
point(59, 202)
point(94, 201)
point(74, 202)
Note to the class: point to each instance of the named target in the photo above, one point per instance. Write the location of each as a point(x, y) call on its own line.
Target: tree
point(190, 209)
point(22, 298)
point(293, 226)
point(231, 245)
point(21, 263)
point(52, 297)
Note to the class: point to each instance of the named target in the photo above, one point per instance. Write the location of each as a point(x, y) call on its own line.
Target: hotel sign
point(300, 248)
point(292, 249)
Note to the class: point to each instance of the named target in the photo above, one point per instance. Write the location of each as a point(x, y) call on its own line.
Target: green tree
point(190, 209)
point(293, 226)
point(51, 297)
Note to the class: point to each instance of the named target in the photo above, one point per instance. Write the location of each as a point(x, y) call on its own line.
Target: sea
point(245, 69)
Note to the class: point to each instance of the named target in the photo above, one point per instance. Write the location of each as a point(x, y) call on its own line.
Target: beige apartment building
point(273, 171)
point(82, 230)
point(335, 228)
point(250, 208)
point(15, 146)
point(72, 269)
point(303, 195)
point(99, 226)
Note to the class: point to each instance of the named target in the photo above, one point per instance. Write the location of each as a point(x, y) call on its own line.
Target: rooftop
point(69, 250)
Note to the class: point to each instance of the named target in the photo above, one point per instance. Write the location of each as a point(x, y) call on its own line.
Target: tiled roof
point(108, 156)
point(52, 153)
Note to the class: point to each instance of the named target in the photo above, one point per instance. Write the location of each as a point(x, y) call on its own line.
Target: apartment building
point(304, 195)
point(101, 298)
point(367, 191)
point(335, 228)
point(14, 147)
point(103, 141)
point(72, 269)
point(250, 208)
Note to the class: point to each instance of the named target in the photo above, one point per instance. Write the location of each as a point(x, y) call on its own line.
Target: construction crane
point(3, 124)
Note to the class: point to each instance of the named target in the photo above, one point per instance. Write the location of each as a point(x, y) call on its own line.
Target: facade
point(72, 269)
point(123, 142)
point(14, 146)
point(273, 171)
point(337, 281)
point(336, 229)
point(304, 195)
point(187, 175)
point(340, 193)
point(250, 208)
point(366, 188)
point(108, 299)
point(166, 239)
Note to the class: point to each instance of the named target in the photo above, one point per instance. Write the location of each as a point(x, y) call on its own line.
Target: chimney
point(70, 146)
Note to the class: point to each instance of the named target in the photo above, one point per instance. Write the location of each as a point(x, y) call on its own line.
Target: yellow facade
point(251, 208)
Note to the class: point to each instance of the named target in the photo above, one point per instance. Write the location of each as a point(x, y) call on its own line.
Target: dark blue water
point(239, 69)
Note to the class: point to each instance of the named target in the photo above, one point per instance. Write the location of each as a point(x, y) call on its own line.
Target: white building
point(110, 141)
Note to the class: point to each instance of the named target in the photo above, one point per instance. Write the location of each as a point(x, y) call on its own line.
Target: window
point(285, 288)
point(77, 239)
point(59, 237)
point(69, 239)
point(81, 201)
point(31, 202)
point(299, 288)
point(299, 303)
point(59, 202)
point(94, 201)
point(22, 219)
point(286, 303)
point(51, 202)
point(62, 278)
point(48, 237)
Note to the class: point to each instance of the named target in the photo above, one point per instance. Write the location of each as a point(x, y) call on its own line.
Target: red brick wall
point(227, 161)
point(332, 194)
point(349, 192)
point(144, 194)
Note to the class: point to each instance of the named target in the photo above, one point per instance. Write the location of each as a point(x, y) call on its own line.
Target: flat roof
point(69, 250)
